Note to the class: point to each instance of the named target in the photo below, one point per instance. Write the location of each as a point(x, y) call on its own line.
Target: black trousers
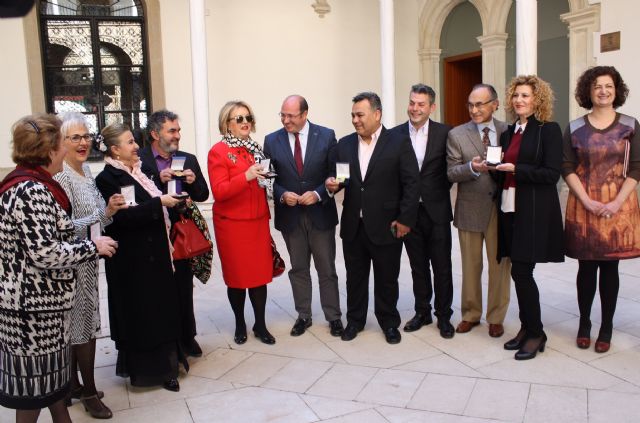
point(528, 298)
point(430, 242)
point(359, 254)
point(184, 279)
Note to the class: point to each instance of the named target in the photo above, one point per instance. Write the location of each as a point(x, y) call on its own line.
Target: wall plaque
point(610, 42)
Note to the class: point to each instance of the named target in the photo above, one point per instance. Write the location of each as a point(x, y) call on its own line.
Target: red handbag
point(278, 262)
point(187, 240)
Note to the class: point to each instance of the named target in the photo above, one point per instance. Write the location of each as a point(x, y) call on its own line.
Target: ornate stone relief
point(321, 7)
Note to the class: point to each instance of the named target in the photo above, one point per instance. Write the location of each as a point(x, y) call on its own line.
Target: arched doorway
point(95, 61)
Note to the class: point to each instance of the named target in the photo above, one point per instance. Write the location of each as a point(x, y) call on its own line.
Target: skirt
point(35, 359)
point(244, 247)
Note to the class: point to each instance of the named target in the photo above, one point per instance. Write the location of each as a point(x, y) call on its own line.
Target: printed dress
point(602, 159)
point(88, 207)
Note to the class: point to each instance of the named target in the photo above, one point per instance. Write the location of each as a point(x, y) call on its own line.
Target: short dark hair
point(371, 97)
point(492, 91)
point(157, 119)
point(588, 78)
point(424, 89)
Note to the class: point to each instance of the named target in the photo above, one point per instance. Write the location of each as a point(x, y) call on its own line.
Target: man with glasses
point(475, 211)
point(305, 213)
point(164, 130)
point(429, 242)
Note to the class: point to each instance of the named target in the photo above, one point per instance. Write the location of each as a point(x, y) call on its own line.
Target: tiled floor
point(425, 378)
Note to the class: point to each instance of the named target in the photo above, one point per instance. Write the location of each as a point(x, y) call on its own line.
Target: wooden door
point(461, 73)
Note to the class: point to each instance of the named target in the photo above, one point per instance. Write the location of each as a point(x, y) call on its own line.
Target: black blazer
point(434, 185)
point(198, 190)
point(142, 291)
point(316, 169)
point(388, 192)
point(537, 228)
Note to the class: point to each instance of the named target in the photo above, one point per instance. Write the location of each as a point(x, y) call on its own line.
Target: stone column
point(200, 85)
point(493, 64)
point(526, 37)
point(430, 63)
point(387, 58)
point(582, 24)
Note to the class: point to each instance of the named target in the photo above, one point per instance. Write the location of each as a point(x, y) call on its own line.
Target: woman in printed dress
point(601, 165)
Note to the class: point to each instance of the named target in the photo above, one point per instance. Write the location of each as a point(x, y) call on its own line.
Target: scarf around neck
point(137, 174)
point(38, 174)
point(250, 145)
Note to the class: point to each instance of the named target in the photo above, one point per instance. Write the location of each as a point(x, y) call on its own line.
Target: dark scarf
point(38, 174)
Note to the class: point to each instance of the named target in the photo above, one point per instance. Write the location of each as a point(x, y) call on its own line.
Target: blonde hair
point(34, 137)
point(110, 135)
point(542, 96)
point(225, 112)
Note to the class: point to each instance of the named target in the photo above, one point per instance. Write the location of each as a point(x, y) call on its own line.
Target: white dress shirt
point(419, 139)
point(303, 135)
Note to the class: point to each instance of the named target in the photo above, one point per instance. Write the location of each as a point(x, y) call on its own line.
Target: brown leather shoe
point(496, 331)
point(464, 326)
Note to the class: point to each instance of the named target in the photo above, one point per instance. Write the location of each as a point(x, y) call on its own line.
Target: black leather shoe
point(418, 321)
point(446, 329)
point(265, 337)
point(350, 332)
point(392, 335)
point(171, 385)
point(300, 326)
point(193, 349)
point(530, 348)
point(336, 327)
point(517, 342)
point(240, 337)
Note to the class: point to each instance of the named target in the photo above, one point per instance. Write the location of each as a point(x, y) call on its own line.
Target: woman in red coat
point(241, 217)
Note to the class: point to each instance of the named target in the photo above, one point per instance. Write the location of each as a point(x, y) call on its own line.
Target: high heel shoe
point(603, 343)
point(77, 394)
point(583, 339)
point(95, 407)
point(531, 347)
point(240, 336)
point(171, 385)
point(516, 343)
point(264, 336)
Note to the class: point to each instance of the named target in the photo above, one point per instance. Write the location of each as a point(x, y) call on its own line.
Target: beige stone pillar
point(493, 64)
point(430, 64)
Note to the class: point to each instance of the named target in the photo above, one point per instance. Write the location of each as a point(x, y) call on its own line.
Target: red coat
point(240, 219)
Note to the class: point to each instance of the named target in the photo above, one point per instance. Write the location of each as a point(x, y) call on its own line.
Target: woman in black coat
point(530, 220)
point(143, 311)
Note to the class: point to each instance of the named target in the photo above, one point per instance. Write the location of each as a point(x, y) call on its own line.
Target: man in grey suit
point(475, 211)
point(305, 214)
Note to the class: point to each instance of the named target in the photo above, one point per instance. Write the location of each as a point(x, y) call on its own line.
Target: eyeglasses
point(240, 119)
point(479, 104)
point(284, 116)
point(77, 138)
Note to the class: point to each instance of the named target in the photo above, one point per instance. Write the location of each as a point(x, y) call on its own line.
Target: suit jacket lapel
point(283, 142)
point(430, 137)
point(474, 138)
point(312, 145)
point(355, 168)
point(376, 151)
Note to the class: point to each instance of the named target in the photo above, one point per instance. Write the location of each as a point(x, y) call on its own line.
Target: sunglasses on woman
point(240, 119)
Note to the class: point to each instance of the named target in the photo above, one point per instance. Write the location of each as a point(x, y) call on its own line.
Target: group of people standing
point(396, 191)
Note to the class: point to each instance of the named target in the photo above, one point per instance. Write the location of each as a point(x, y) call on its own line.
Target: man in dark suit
point(305, 213)
point(476, 215)
point(164, 131)
point(379, 208)
point(429, 241)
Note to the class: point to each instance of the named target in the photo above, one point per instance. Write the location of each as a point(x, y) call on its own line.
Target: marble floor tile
point(256, 369)
point(328, 408)
point(169, 412)
point(551, 368)
point(444, 394)
point(623, 364)
point(497, 399)
point(255, 405)
point(371, 349)
point(298, 375)
point(555, 404)
point(369, 416)
point(342, 381)
point(441, 364)
point(391, 387)
point(218, 363)
point(190, 386)
point(607, 407)
point(402, 415)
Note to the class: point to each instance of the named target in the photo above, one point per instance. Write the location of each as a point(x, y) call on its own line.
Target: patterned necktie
point(485, 137)
point(297, 154)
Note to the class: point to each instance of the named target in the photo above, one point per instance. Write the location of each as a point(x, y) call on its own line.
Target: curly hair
point(588, 79)
point(34, 137)
point(542, 96)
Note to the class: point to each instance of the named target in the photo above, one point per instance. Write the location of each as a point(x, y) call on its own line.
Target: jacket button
point(362, 189)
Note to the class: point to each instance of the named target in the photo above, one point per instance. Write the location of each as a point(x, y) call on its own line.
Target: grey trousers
point(303, 243)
